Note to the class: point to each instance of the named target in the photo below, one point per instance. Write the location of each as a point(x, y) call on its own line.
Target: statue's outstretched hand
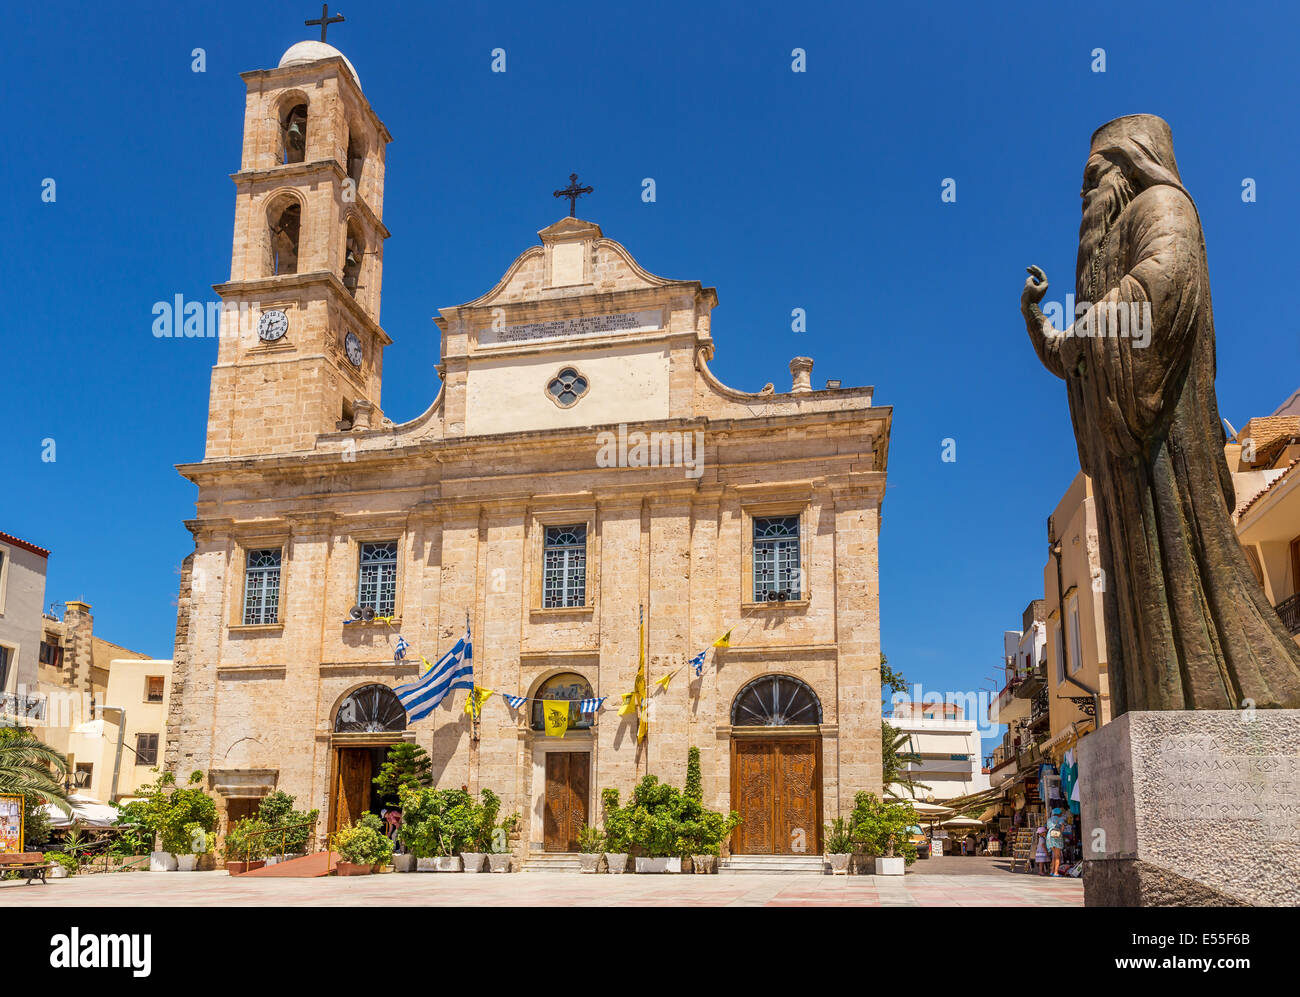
point(1035, 289)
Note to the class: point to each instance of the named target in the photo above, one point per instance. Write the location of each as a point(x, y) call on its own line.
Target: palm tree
point(30, 767)
point(897, 751)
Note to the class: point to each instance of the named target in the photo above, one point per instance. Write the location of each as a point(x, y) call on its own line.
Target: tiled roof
point(9, 538)
point(1268, 488)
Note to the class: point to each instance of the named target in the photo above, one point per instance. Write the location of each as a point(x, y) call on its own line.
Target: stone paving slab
point(562, 889)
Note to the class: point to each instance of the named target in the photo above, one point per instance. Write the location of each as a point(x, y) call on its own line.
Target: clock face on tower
point(272, 325)
point(352, 346)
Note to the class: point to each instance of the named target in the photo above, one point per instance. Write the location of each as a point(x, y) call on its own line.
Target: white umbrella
point(85, 811)
point(963, 822)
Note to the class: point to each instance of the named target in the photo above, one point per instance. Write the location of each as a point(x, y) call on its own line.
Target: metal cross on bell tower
point(573, 192)
point(324, 20)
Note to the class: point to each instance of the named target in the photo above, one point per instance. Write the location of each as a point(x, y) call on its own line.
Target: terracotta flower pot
point(239, 868)
point(353, 869)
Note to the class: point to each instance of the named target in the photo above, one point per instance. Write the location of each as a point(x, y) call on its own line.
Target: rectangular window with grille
point(776, 559)
point(377, 579)
point(146, 749)
point(262, 587)
point(564, 567)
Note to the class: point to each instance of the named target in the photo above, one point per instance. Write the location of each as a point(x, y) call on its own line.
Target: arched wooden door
point(776, 768)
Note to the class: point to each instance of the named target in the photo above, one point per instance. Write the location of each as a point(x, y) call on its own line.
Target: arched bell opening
point(284, 235)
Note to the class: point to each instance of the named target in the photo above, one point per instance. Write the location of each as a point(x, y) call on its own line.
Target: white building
point(949, 748)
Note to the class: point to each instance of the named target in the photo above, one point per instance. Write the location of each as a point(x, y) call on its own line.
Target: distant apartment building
point(947, 746)
point(22, 600)
point(1056, 687)
point(1264, 458)
point(113, 751)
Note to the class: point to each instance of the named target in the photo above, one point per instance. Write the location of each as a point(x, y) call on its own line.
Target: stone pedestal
point(1191, 809)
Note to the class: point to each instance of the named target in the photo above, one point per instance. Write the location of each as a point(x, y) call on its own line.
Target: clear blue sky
point(818, 190)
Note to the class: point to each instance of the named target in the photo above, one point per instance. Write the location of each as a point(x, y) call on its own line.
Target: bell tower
point(301, 348)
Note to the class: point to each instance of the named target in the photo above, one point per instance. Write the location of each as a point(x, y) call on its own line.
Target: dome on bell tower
point(313, 51)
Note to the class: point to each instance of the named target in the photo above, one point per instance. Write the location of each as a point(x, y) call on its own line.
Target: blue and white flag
point(697, 662)
point(514, 701)
point(590, 705)
point(454, 670)
point(400, 651)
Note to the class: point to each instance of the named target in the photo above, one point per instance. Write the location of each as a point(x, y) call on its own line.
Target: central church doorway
point(776, 768)
point(368, 721)
point(568, 780)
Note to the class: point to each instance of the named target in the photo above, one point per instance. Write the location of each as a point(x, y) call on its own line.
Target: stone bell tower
point(301, 348)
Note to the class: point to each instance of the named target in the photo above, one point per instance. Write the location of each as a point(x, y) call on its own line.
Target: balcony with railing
point(1289, 610)
point(23, 706)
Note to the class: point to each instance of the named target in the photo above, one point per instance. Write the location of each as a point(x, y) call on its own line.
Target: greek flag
point(454, 670)
point(400, 651)
point(697, 662)
point(590, 705)
point(514, 701)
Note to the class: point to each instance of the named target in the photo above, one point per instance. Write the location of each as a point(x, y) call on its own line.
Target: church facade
point(579, 479)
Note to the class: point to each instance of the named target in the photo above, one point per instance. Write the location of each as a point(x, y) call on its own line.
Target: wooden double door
point(568, 784)
point(776, 788)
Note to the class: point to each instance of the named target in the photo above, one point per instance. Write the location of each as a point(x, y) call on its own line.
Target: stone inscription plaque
point(570, 328)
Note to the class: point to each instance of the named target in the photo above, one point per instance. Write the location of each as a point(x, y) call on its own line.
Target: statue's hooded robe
point(1187, 624)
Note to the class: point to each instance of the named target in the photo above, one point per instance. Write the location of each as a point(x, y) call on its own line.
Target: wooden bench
point(31, 866)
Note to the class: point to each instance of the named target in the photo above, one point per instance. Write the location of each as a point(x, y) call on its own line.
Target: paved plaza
point(219, 889)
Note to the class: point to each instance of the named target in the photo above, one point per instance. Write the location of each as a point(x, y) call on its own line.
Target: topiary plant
point(881, 827)
point(362, 844)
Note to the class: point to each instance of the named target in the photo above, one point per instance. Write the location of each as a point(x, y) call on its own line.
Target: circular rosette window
point(566, 387)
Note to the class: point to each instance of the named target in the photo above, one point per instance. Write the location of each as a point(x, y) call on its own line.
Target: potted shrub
point(617, 832)
point(199, 845)
point(64, 865)
point(297, 828)
point(499, 857)
point(591, 847)
point(839, 845)
point(245, 848)
point(437, 824)
point(664, 824)
point(362, 848)
point(482, 831)
point(881, 828)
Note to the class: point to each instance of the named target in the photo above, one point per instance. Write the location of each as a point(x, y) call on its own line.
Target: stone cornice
point(281, 283)
point(294, 171)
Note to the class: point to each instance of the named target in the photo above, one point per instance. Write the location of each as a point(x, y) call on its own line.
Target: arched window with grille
point(371, 709)
point(776, 701)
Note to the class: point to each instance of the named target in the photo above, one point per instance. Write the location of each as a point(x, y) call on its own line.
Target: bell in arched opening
point(293, 134)
point(285, 228)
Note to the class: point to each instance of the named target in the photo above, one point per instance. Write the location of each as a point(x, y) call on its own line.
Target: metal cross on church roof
point(324, 20)
point(573, 192)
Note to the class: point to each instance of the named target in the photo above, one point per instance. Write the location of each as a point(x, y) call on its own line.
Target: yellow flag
point(724, 640)
point(662, 683)
point(474, 702)
point(629, 704)
point(639, 689)
point(556, 714)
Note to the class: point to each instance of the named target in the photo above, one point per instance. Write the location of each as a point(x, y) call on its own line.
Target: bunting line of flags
point(455, 670)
